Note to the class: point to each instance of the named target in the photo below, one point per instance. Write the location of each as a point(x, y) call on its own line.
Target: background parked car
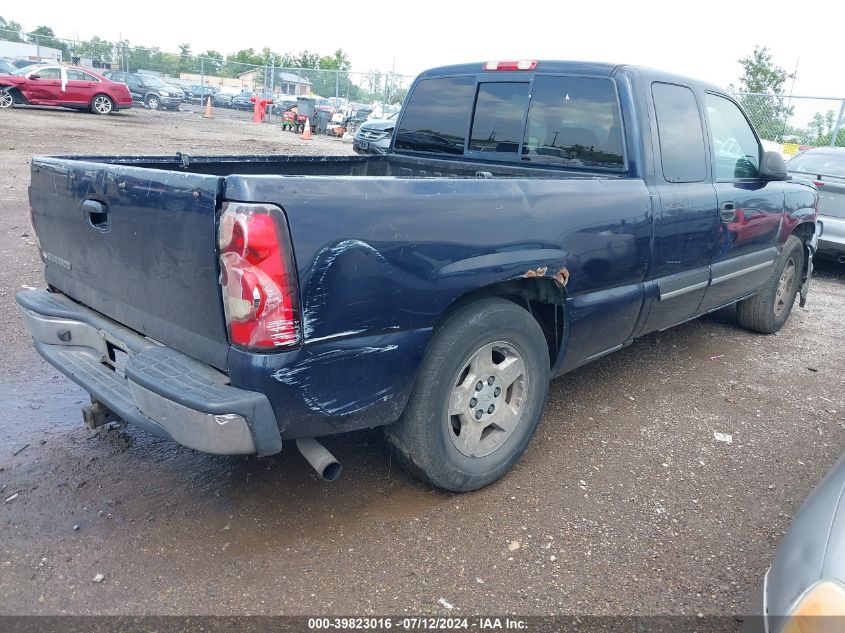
point(147, 89)
point(222, 99)
point(825, 166)
point(6, 68)
point(177, 92)
point(201, 92)
point(241, 101)
point(65, 86)
point(373, 137)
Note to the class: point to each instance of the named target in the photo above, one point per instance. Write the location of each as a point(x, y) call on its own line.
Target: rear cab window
point(574, 122)
point(437, 116)
point(547, 120)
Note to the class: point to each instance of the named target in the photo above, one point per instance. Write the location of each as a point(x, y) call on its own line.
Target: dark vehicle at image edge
point(435, 290)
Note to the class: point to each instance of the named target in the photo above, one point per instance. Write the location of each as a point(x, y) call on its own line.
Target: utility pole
point(838, 124)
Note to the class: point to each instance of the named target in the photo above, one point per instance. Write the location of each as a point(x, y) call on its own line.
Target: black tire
point(768, 310)
point(426, 438)
point(102, 104)
point(7, 98)
point(153, 103)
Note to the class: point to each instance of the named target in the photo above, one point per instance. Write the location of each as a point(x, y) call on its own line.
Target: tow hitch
point(97, 414)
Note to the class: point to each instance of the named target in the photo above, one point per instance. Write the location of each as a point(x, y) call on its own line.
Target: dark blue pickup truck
point(529, 217)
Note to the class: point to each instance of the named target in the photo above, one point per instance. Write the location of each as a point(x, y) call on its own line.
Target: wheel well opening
point(805, 232)
point(16, 94)
point(542, 297)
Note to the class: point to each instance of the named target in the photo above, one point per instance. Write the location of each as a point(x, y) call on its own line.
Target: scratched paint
point(315, 297)
point(326, 397)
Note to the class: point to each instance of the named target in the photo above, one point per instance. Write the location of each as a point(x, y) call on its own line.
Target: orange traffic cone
point(207, 114)
point(306, 133)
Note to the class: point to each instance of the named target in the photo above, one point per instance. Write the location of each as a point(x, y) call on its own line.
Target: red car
point(65, 86)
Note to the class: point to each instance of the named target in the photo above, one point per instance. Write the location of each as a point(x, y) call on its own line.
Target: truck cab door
point(750, 209)
point(686, 214)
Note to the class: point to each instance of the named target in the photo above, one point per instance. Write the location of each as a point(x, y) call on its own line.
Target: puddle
point(36, 404)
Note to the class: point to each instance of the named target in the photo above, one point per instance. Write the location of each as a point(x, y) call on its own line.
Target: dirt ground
point(624, 503)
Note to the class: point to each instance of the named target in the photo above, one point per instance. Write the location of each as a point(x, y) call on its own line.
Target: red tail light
point(257, 276)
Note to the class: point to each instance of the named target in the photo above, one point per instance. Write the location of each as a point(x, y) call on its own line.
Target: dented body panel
point(371, 296)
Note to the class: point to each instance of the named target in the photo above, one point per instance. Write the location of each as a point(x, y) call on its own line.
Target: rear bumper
point(158, 388)
point(832, 235)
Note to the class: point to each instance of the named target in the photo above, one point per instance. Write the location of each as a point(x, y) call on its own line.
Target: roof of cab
point(594, 69)
point(581, 68)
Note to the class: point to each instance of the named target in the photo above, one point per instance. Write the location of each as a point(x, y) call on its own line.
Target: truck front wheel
point(478, 397)
point(768, 310)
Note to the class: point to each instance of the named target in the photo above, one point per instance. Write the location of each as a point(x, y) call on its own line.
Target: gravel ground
point(625, 503)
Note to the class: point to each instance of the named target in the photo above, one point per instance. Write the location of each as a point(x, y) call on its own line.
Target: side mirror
point(35, 76)
point(773, 167)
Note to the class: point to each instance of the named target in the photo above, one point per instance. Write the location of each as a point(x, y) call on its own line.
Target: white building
point(32, 52)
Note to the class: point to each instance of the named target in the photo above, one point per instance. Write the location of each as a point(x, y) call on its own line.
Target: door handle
point(727, 212)
point(98, 214)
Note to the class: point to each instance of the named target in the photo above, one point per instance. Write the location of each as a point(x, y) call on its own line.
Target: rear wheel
point(102, 104)
point(478, 397)
point(7, 99)
point(768, 310)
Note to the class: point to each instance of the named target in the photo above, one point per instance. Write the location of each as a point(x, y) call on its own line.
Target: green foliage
point(96, 48)
point(11, 31)
point(819, 131)
point(44, 36)
point(766, 80)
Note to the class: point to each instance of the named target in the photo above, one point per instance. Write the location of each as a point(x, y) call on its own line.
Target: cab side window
point(49, 73)
point(735, 147)
point(682, 150)
point(78, 75)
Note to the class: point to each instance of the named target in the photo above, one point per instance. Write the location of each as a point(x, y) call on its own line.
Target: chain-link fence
point(204, 75)
point(796, 122)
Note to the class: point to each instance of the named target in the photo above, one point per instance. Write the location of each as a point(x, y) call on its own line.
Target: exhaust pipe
point(841, 259)
point(319, 457)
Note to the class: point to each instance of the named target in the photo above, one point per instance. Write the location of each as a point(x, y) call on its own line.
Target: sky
point(698, 39)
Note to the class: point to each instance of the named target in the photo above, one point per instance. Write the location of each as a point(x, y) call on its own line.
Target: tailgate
point(138, 245)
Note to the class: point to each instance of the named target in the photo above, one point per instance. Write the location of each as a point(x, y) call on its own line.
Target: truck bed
point(380, 242)
point(394, 165)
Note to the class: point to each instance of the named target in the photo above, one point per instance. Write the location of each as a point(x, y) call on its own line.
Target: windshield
point(153, 81)
point(818, 163)
point(25, 69)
